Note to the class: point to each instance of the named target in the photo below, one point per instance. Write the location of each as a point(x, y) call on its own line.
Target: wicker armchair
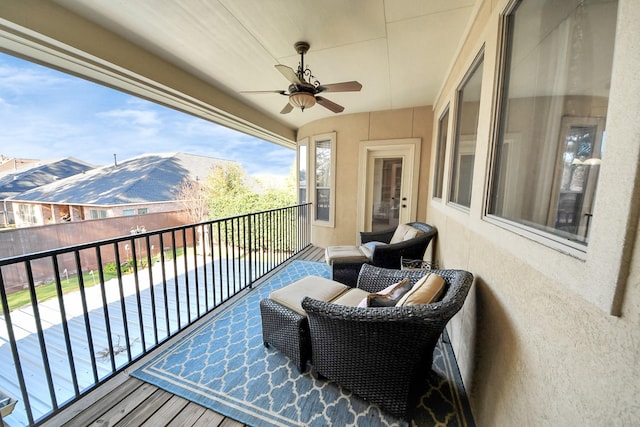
point(378, 353)
point(388, 255)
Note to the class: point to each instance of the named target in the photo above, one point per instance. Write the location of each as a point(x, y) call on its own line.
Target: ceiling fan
point(304, 88)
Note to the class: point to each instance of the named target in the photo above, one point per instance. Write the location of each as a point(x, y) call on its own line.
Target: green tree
point(278, 197)
point(229, 192)
point(232, 192)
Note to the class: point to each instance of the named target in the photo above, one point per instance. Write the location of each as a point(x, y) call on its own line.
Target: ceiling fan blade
point(352, 86)
point(287, 109)
point(281, 92)
point(289, 74)
point(329, 105)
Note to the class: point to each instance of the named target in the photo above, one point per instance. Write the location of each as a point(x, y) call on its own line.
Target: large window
point(316, 176)
point(464, 149)
point(323, 166)
point(443, 130)
point(302, 172)
point(555, 93)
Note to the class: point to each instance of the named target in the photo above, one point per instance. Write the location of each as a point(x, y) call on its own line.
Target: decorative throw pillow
point(426, 290)
point(389, 296)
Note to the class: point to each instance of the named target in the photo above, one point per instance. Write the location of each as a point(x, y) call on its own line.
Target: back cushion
point(404, 232)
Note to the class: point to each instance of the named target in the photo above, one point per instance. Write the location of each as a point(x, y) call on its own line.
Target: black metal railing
point(88, 311)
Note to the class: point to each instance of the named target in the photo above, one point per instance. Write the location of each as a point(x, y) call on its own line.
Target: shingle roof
point(144, 179)
point(39, 173)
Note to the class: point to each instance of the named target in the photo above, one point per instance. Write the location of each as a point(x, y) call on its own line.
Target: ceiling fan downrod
point(304, 72)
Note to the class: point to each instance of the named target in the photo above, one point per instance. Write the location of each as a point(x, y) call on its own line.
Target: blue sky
point(46, 114)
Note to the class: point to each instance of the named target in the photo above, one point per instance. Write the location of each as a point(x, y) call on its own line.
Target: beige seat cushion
point(426, 290)
point(351, 298)
point(344, 254)
point(404, 232)
point(322, 289)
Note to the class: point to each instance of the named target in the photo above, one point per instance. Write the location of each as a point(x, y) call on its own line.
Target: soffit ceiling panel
point(399, 50)
point(420, 55)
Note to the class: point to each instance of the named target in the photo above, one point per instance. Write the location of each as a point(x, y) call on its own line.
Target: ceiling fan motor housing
point(301, 47)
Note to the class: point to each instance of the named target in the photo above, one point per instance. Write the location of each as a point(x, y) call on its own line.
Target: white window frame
point(461, 142)
point(302, 143)
point(311, 183)
point(439, 168)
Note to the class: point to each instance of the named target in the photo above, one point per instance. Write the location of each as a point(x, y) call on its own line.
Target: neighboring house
point(141, 185)
point(8, 164)
point(32, 174)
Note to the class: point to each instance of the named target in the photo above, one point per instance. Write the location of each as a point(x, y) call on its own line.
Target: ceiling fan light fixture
point(302, 100)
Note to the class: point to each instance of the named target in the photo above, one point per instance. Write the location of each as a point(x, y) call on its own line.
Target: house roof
point(148, 178)
point(39, 173)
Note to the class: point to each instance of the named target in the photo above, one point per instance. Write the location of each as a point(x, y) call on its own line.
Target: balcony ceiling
point(400, 50)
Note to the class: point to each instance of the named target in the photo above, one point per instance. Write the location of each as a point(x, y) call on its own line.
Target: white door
point(387, 183)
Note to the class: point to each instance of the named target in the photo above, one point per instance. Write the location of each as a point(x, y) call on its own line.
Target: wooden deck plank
point(188, 416)
point(168, 411)
point(228, 422)
point(209, 419)
point(102, 405)
point(125, 406)
point(143, 411)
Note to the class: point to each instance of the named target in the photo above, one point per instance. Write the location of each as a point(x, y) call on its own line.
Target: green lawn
point(48, 290)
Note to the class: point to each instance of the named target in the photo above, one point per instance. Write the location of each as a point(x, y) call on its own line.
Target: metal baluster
point(40, 333)
point(195, 269)
point(105, 309)
point(85, 314)
point(222, 282)
point(136, 280)
point(14, 350)
point(123, 306)
point(205, 284)
point(65, 325)
point(186, 273)
point(152, 292)
point(165, 293)
point(175, 278)
point(213, 267)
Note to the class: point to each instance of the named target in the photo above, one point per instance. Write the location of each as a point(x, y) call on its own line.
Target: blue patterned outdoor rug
point(223, 365)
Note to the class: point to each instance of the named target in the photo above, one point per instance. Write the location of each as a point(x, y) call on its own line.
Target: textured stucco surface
point(536, 341)
point(533, 352)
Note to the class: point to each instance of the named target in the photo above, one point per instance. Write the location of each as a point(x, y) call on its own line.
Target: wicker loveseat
point(379, 353)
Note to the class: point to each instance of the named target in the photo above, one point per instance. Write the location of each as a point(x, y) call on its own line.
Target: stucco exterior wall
point(350, 130)
point(548, 337)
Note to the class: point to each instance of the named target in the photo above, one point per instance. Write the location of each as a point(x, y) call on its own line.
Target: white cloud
point(47, 114)
point(133, 117)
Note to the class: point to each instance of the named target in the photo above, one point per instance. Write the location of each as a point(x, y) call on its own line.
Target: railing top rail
point(66, 249)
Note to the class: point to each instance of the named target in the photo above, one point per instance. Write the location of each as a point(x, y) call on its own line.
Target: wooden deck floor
point(127, 401)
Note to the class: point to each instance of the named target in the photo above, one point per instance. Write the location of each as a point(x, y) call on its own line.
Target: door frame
point(406, 148)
